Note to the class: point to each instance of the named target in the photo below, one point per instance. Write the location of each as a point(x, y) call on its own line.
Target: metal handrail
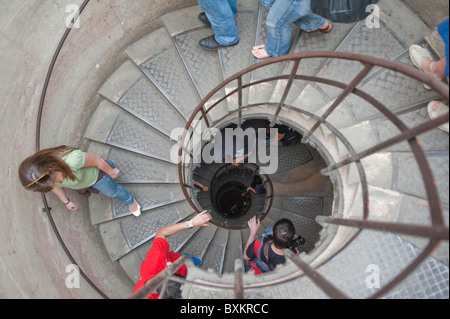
point(436, 232)
point(47, 209)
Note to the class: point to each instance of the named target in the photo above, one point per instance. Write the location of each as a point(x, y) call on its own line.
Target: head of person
point(257, 179)
point(37, 173)
point(172, 289)
point(283, 233)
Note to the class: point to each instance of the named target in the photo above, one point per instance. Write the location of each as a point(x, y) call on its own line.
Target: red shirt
point(158, 259)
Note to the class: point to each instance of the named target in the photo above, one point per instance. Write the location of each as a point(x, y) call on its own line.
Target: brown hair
point(283, 233)
point(37, 173)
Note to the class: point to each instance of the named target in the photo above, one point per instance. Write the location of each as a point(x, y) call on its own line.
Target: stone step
point(348, 271)
point(120, 82)
point(395, 90)
point(203, 66)
point(236, 58)
point(136, 168)
point(398, 171)
point(198, 244)
point(149, 196)
point(394, 206)
point(214, 257)
point(379, 42)
point(234, 250)
point(434, 140)
point(163, 66)
point(123, 235)
point(113, 126)
point(309, 42)
point(389, 254)
point(308, 207)
point(146, 102)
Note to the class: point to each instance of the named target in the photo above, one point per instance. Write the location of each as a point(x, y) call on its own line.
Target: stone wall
point(32, 262)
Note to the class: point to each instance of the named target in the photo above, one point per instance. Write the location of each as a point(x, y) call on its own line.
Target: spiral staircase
point(159, 88)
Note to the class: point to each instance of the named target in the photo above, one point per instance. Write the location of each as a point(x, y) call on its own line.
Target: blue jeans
point(282, 14)
point(222, 14)
point(110, 188)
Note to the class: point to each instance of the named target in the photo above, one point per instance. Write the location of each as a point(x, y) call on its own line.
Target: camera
point(296, 242)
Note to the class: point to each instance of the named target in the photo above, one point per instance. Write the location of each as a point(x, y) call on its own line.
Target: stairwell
point(158, 81)
point(166, 77)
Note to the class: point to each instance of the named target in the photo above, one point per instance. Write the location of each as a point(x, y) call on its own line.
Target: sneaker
point(418, 55)
point(197, 261)
point(436, 109)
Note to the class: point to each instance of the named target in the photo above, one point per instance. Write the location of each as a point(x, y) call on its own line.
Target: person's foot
point(260, 52)
point(135, 209)
point(422, 60)
point(326, 28)
point(204, 18)
point(210, 43)
point(436, 109)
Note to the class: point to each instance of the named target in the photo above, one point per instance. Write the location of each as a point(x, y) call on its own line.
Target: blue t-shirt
point(443, 31)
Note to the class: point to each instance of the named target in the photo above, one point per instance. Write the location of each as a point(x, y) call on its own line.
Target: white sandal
point(436, 109)
point(418, 55)
point(137, 213)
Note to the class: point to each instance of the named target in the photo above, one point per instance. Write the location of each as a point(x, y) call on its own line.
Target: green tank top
point(86, 176)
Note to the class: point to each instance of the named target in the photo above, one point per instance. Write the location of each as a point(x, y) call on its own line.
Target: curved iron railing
point(436, 232)
point(47, 209)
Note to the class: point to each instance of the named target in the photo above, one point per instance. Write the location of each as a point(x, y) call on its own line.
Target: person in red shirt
point(160, 257)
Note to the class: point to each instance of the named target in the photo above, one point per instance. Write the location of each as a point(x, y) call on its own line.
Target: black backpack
point(263, 249)
point(343, 11)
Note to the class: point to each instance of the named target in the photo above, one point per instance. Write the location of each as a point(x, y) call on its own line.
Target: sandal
point(418, 55)
point(260, 52)
point(327, 29)
point(324, 29)
point(436, 109)
point(258, 47)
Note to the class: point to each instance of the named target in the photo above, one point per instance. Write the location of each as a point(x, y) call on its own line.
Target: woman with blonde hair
point(53, 169)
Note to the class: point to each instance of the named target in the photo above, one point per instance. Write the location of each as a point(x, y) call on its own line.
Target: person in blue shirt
point(423, 60)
